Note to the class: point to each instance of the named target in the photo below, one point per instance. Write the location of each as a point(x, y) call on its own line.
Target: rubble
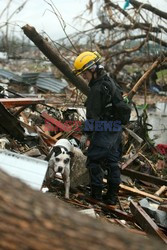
point(144, 220)
point(39, 107)
point(31, 125)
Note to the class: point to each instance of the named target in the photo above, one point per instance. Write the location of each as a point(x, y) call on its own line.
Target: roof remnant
point(10, 76)
point(50, 83)
point(45, 80)
point(30, 170)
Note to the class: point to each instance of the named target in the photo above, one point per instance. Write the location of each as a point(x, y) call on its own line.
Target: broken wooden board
point(144, 177)
point(17, 102)
point(139, 192)
point(129, 161)
point(133, 91)
point(161, 190)
point(60, 127)
point(113, 209)
point(47, 138)
point(145, 221)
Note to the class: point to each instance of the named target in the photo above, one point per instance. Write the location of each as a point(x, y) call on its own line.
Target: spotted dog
point(60, 162)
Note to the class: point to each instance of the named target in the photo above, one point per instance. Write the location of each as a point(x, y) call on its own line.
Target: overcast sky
point(37, 13)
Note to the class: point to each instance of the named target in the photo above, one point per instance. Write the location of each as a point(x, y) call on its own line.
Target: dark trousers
point(101, 159)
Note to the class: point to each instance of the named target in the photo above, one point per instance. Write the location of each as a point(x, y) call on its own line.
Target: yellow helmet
point(85, 61)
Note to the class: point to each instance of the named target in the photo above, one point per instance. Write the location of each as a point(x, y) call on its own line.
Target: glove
point(125, 97)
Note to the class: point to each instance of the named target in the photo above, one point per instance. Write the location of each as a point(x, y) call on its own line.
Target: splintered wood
point(145, 221)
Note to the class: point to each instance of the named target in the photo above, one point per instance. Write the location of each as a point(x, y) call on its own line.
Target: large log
point(55, 57)
point(32, 220)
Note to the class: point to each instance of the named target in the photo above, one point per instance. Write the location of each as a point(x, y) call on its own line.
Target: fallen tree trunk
point(55, 58)
point(31, 220)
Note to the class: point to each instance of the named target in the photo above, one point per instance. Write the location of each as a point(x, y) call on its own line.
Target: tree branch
point(148, 7)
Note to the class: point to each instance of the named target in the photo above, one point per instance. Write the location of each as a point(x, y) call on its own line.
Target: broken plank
point(139, 192)
point(133, 91)
point(144, 177)
point(115, 211)
point(16, 102)
point(58, 125)
point(129, 161)
point(55, 137)
point(161, 190)
point(146, 223)
point(47, 138)
point(78, 203)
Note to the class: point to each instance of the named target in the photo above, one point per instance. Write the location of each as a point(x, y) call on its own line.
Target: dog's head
point(60, 159)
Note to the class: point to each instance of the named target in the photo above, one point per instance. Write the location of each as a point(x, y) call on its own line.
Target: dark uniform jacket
point(96, 102)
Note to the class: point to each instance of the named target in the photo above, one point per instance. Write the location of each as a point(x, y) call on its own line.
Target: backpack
point(115, 106)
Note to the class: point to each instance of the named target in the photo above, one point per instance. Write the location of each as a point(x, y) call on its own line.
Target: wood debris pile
point(32, 123)
point(31, 127)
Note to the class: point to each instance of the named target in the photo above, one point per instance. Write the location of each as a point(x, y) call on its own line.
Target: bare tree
point(133, 36)
point(8, 15)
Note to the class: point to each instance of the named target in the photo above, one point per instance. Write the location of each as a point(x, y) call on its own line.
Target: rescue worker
point(104, 151)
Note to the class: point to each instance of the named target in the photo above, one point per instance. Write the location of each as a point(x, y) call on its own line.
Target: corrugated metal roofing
point(50, 83)
point(30, 78)
point(44, 80)
point(28, 169)
point(10, 75)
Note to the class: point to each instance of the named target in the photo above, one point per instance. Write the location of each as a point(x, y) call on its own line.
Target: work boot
point(111, 197)
point(96, 193)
